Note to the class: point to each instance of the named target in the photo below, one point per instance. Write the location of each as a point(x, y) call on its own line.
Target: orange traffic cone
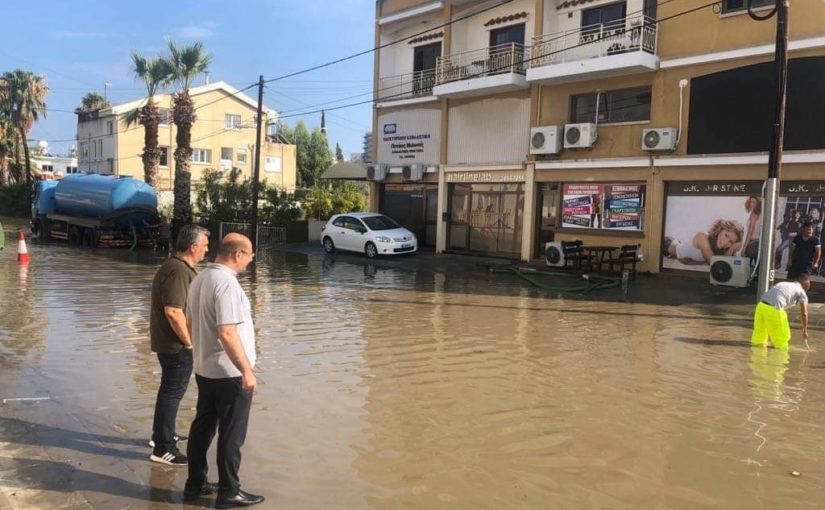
point(22, 251)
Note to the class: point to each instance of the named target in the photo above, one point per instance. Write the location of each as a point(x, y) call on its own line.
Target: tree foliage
point(324, 200)
point(339, 154)
point(92, 102)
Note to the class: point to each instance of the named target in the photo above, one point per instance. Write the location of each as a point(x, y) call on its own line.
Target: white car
point(369, 233)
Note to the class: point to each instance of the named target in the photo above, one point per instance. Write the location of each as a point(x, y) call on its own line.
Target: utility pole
point(766, 255)
point(257, 165)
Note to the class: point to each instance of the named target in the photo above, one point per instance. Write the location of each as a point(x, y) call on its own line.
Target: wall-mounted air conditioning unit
point(579, 136)
point(414, 172)
point(553, 254)
point(377, 172)
point(546, 139)
point(730, 271)
point(659, 139)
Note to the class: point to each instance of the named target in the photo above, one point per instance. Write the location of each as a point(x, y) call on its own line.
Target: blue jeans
point(176, 369)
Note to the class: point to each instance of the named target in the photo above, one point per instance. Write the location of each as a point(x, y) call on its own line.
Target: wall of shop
point(489, 131)
point(471, 34)
point(410, 135)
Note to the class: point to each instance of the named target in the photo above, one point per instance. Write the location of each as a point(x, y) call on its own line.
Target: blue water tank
point(45, 197)
point(96, 196)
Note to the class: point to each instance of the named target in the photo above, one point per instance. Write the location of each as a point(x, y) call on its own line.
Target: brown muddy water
point(387, 388)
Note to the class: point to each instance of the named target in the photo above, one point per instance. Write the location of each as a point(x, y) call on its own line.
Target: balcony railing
point(593, 41)
point(504, 58)
point(407, 86)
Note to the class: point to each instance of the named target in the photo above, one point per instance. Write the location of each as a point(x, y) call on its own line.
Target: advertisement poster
point(603, 206)
point(725, 218)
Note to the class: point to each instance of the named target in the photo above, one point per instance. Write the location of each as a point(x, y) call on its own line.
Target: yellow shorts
point(770, 323)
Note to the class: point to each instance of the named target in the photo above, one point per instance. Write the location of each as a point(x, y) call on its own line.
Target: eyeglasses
point(250, 253)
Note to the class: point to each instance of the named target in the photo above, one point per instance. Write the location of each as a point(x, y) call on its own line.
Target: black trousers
point(176, 369)
point(222, 406)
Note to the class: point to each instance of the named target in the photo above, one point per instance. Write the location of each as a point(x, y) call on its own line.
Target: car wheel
point(329, 246)
point(371, 250)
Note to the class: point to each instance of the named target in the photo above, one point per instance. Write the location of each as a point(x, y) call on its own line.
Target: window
point(111, 127)
point(111, 165)
point(226, 154)
point(240, 156)
point(48, 168)
point(741, 5)
point(164, 117)
point(605, 206)
point(273, 164)
point(602, 20)
point(507, 35)
point(203, 156)
point(84, 150)
point(340, 221)
point(164, 156)
point(94, 150)
point(232, 121)
point(355, 224)
point(100, 148)
point(628, 105)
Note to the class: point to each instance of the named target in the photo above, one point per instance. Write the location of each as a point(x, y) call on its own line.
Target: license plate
point(406, 245)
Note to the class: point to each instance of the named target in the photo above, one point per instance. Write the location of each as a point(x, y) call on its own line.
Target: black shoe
point(171, 457)
point(175, 437)
point(240, 498)
point(206, 489)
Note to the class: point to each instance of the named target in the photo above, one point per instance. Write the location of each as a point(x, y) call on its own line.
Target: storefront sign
point(409, 137)
point(497, 176)
point(603, 206)
point(703, 224)
point(710, 188)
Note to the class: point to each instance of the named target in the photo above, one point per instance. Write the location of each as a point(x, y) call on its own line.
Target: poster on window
point(704, 219)
point(603, 206)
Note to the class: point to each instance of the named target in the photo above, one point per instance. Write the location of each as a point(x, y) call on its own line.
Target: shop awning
point(346, 171)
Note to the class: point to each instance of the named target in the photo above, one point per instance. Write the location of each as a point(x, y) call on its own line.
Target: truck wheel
point(74, 236)
point(89, 238)
point(38, 230)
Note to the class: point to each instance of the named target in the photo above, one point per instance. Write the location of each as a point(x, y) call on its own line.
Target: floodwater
point(382, 387)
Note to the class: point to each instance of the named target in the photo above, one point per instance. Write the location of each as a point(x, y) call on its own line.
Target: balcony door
point(600, 22)
point(504, 57)
point(424, 58)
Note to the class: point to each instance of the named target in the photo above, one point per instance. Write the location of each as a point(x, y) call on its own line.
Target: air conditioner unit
point(545, 139)
point(414, 172)
point(730, 271)
point(377, 172)
point(553, 254)
point(579, 136)
point(659, 139)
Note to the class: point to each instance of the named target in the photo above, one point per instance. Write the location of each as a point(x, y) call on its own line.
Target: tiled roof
point(426, 37)
point(504, 19)
point(572, 3)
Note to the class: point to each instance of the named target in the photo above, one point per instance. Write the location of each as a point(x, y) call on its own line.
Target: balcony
point(415, 87)
point(619, 48)
point(480, 72)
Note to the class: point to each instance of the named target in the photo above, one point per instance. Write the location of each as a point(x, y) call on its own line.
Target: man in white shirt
point(223, 338)
point(770, 320)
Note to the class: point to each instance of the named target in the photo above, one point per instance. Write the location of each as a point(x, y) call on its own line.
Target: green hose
point(594, 282)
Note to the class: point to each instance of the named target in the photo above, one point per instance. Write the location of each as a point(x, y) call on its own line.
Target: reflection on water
point(388, 388)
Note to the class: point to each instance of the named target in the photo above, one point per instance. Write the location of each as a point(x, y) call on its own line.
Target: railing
point(407, 86)
point(592, 41)
point(504, 58)
point(268, 237)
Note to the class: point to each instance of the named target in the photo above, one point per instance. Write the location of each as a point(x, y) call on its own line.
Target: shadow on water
point(713, 342)
point(35, 434)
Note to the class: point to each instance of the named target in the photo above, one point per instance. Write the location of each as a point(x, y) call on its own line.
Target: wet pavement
point(418, 382)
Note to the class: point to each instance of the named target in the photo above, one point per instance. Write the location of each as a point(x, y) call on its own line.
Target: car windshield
point(380, 223)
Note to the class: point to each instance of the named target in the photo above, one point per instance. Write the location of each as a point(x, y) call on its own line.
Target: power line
point(488, 71)
point(382, 46)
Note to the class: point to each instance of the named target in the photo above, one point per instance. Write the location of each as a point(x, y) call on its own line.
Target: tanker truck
point(92, 210)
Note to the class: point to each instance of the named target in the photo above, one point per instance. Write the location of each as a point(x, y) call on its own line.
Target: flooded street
point(386, 387)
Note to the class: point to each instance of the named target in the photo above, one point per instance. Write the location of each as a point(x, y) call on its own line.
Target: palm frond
point(188, 61)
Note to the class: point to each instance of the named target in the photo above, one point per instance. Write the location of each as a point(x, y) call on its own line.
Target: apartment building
point(223, 137)
point(500, 126)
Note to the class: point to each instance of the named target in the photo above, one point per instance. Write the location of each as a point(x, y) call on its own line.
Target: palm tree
point(24, 103)
point(7, 135)
point(187, 62)
point(156, 73)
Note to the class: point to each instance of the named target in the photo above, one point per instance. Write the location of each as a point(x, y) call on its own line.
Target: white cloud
point(196, 31)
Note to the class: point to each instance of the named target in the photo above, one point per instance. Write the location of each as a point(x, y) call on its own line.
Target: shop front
point(485, 211)
point(413, 205)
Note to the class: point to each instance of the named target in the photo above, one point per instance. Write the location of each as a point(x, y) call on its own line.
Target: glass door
point(459, 205)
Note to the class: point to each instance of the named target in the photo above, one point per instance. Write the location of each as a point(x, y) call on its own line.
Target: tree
point(155, 73)
point(186, 63)
point(320, 157)
point(339, 154)
point(7, 135)
point(300, 137)
point(23, 101)
point(92, 102)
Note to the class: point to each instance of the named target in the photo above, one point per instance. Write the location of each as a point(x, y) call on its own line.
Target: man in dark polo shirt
point(171, 340)
point(806, 250)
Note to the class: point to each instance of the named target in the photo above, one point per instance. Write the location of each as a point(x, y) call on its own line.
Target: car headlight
point(383, 239)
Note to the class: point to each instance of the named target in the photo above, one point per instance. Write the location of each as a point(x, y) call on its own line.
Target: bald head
point(232, 243)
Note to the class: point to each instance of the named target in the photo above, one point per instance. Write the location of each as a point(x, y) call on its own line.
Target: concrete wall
point(489, 130)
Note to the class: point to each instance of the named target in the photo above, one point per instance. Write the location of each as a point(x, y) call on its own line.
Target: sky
point(79, 45)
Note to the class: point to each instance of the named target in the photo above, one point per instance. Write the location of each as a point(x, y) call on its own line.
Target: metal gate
point(268, 236)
